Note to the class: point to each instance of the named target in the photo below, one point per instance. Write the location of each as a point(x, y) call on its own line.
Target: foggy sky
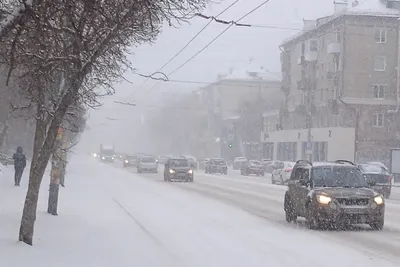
point(114, 123)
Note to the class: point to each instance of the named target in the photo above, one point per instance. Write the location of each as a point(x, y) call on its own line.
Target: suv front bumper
point(351, 215)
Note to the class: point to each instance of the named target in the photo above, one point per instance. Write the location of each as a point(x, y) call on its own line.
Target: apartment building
point(234, 106)
point(340, 81)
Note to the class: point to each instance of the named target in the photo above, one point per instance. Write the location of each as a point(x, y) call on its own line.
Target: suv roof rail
point(304, 161)
point(343, 161)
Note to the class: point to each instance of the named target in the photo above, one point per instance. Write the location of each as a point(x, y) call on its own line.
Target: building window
point(338, 37)
point(313, 45)
point(287, 151)
point(379, 91)
point(377, 120)
point(269, 151)
point(320, 151)
point(380, 63)
point(380, 35)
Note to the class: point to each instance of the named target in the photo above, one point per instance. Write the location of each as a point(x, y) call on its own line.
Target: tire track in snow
point(138, 223)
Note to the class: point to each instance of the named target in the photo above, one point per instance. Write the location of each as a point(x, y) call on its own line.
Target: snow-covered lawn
point(110, 217)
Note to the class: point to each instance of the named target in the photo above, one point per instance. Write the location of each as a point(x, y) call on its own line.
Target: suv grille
point(353, 201)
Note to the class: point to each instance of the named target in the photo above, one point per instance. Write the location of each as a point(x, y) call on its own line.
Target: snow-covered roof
point(374, 8)
point(250, 71)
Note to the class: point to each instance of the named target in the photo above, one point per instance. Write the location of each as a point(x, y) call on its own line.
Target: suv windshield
point(332, 176)
point(218, 161)
point(255, 162)
point(179, 162)
point(148, 160)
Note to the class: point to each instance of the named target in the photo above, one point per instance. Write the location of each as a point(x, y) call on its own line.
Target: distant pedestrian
point(19, 165)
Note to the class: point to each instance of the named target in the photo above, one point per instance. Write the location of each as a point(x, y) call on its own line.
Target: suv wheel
point(378, 225)
point(290, 214)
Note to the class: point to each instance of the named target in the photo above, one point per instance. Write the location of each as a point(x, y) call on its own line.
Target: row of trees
point(64, 54)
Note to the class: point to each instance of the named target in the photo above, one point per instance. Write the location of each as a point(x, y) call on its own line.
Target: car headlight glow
point(378, 200)
point(126, 161)
point(94, 155)
point(113, 158)
point(323, 199)
point(190, 171)
point(103, 158)
point(171, 171)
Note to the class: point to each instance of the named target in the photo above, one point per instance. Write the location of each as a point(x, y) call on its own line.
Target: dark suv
point(216, 165)
point(332, 194)
point(178, 168)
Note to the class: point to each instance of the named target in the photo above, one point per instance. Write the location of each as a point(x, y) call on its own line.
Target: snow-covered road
point(113, 217)
point(259, 197)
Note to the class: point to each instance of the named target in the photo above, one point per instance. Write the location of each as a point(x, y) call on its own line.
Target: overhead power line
point(218, 36)
point(190, 41)
point(235, 23)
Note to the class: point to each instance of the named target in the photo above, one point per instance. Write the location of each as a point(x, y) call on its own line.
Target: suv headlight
point(323, 199)
point(126, 161)
point(171, 171)
point(378, 200)
point(190, 171)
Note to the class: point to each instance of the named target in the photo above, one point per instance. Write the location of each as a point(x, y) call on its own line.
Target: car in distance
point(130, 161)
point(216, 165)
point(252, 167)
point(282, 170)
point(332, 194)
point(194, 164)
point(178, 168)
point(147, 164)
point(238, 162)
point(380, 176)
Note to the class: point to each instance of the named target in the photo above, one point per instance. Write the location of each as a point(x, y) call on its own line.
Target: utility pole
point(57, 170)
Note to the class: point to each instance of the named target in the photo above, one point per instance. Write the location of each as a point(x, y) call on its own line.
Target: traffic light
point(230, 145)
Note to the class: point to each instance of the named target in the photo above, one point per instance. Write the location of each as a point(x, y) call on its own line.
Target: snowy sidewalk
point(110, 217)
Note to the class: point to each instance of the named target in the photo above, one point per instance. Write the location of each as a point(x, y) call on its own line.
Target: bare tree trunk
point(4, 132)
point(38, 167)
point(43, 148)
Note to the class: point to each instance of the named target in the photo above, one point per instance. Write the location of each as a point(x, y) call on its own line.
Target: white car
point(147, 164)
point(282, 171)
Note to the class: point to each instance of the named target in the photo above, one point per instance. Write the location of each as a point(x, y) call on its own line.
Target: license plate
point(354, 211)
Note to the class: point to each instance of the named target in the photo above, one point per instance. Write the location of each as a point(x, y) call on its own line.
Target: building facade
point(341, 87)
point(234, 107)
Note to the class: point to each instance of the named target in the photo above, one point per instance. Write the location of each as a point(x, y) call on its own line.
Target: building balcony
point(334, 48)
point(311, 56)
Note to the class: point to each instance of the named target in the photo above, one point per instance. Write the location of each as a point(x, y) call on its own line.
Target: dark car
point(238, 163)
point(380, 176)
point(130, 161)
point(252, 167)
point(332, 194)
point(216, 165)
point(107, 155)
point(192, 162)
point(178, 168)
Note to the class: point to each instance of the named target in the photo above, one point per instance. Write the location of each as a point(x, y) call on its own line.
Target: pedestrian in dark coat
point(19, 165)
